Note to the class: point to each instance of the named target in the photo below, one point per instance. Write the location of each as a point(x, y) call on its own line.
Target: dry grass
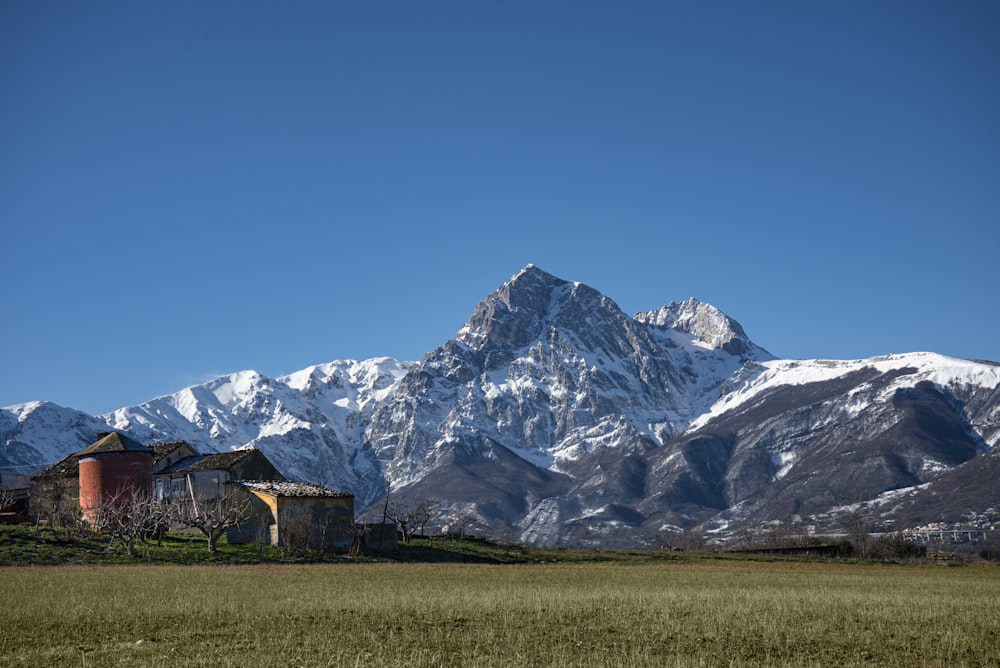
point(709, 614)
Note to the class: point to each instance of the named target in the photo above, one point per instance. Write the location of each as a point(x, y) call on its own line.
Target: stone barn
point(296, 516)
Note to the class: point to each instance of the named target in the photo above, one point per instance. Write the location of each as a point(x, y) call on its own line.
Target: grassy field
point(700, 613)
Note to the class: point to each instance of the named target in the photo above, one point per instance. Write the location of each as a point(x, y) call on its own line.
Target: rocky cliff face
point(553, 417)
point(552, 370)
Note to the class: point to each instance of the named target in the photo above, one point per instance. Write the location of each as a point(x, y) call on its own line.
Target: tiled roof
point(220, 461)
point(114, 442)
point(67, 467)
point(164, 449)
point(292, 489)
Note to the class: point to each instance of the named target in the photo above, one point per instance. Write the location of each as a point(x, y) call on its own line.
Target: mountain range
point(553, 418)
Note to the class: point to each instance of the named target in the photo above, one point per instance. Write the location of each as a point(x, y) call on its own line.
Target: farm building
point(57, 489)
point(288, 514)
point(168, 454)
point(297, 516)
point(113, 469)
point(206, 476)
point(55, 492)
point(65, 474)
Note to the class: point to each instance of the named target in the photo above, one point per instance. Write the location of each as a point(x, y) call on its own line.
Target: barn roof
point(164, 449)
point(301, 489)
point(67, 467)
point(219, 461)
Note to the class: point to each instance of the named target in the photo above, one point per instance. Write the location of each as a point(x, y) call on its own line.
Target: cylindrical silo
point(113, 470)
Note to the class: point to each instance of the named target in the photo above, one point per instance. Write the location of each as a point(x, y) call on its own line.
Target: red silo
point(114, 469)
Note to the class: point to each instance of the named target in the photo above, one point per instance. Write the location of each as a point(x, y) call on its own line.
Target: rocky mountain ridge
point(554, 417)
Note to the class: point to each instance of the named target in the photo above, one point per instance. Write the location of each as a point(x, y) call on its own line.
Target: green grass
point(707, 613)
point(25, 545)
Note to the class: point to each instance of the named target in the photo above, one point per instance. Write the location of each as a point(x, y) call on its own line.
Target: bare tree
point(315, 527)
point(261, 535)
point(358, 533)
point(210, 517)
point(411, 514)
point(782, 534)
point(424, 511)
point(129, 516)
point(6, 495)
point(52, 504)
point(859, 533)
point(693, 538)
point(894, 545)
point(746, 538)
point(297, 530)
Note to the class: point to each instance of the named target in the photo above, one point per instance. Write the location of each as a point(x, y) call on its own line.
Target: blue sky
point(193, 188)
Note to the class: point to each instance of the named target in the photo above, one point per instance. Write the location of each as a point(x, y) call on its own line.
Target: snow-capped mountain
point(552, 416)
point(41, 432)
point(551, 370)
point(310, 423)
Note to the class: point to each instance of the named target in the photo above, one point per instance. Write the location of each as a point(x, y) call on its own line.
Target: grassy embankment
point(25, 545)
point(694, 611)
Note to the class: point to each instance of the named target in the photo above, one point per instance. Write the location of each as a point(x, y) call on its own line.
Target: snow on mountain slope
point(309, 423)
point(955, 375)
point(555, 417)
point(552, 370)
point(40, 432)
point(806, 438)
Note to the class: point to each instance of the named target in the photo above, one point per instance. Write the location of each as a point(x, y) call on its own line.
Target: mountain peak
point(512, 315)
point(559, 419)
point(531, 277)
point(703, 321)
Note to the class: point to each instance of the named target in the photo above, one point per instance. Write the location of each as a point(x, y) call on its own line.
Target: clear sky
point(192, 188)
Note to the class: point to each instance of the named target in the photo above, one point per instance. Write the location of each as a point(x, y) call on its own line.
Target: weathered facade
point(65, 474)
point(168, 454)
point(176, 468)
point(114, 469)
point(206, 476)
point(297, 516)
point(55, 493)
